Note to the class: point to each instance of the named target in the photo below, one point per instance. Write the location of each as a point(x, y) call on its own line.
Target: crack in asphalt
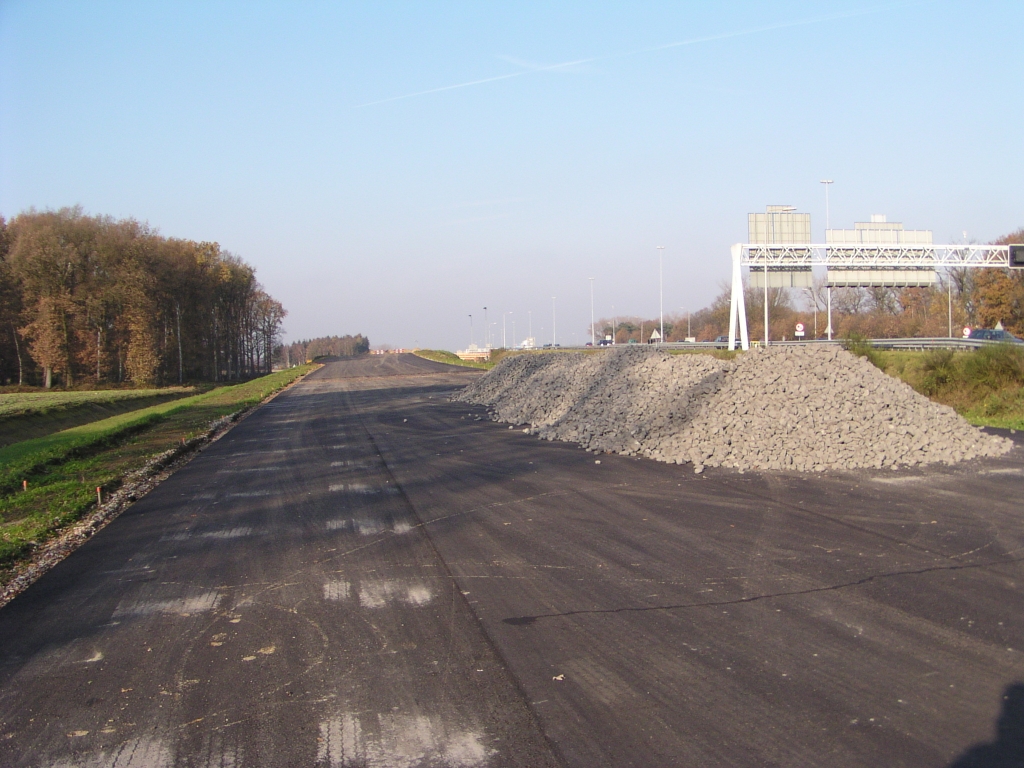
point(521, 621)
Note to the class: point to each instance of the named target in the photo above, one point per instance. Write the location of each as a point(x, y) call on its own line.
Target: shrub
point(860, 346)
point(996, 366)
point(940, 370)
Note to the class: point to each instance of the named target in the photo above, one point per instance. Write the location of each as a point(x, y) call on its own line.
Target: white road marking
point(145, 752)
point(378, 593)
point(196, 603)
point(337, 590)
point(398, 741)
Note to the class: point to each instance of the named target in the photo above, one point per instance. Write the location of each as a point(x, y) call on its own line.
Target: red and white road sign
point(967, 332)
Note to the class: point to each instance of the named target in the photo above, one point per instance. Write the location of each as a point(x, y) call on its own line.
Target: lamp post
point(826, 182)
point(828, 288)
point(554, 323)
point(487, 331)
point(661, 291)
point(613, 325)
point(593, 341)
point(504, 343)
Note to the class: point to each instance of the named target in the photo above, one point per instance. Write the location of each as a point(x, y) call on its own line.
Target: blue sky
point(274, 128)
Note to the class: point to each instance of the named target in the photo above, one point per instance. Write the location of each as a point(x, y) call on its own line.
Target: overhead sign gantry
point(874, 253)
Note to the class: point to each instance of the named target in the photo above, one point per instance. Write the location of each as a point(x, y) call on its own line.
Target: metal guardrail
point(909, 344)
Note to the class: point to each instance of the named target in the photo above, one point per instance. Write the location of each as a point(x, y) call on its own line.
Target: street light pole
point(661, 290)
point(554, 323)
point(949, 288)
point(487, 331)
point(504, 343)
point(769, 228)
point(828, 289)
point(826, 182)
point(593, 341)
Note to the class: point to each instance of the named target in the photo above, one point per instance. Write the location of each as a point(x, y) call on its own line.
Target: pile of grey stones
point(805, 409)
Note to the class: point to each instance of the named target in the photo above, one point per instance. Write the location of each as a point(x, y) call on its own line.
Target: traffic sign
point(967, 332)
point(799, 327)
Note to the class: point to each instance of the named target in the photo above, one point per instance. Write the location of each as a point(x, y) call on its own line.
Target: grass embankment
point(985, 386)
point(24, 403)
point(24, 415)
point(441, 356)
point(497, 355)
point(64, 469)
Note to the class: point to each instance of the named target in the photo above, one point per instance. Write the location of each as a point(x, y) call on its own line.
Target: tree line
point(310, 349)
point(979, 297)
point(95, 300)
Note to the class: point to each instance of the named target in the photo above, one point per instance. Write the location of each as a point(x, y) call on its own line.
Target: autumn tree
point(999, 293)
point(88, 298)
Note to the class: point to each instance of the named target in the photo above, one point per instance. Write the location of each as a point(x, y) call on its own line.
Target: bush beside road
point(985, 386)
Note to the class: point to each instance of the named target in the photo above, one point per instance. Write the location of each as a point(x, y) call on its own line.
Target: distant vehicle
point(994, 335)
point(722, 342)
point(588, 344)
point(632, 341)
point(604, 343)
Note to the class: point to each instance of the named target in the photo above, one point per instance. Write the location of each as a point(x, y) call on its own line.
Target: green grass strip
point(67, 467)
point(442, 356)
point(25, 403)
point(21, 460)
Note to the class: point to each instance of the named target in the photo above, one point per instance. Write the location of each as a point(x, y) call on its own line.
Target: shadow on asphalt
point(1007, 750)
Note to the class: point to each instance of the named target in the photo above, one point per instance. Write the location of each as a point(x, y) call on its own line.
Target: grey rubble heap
point(783, 408)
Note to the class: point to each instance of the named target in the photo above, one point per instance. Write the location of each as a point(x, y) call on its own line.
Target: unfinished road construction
point(783, 408)
point(364, 574)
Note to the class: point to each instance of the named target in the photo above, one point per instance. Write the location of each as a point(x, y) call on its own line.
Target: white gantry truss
point(842, 257)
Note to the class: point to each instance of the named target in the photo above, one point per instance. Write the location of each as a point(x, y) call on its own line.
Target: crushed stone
point(812, 408)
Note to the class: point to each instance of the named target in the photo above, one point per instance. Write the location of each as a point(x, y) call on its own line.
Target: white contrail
point(678, 44)
point(476, 82)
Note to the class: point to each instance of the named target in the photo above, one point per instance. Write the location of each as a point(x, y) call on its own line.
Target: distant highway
point(364, 574)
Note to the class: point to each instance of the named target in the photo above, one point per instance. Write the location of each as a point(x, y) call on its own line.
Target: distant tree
point(999, 293)
point(337, 346)
point(93, 298)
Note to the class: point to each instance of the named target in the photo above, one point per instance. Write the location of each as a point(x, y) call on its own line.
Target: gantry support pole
point(737, 307)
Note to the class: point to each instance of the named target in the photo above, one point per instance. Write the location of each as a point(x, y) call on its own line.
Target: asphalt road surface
point(364, 574)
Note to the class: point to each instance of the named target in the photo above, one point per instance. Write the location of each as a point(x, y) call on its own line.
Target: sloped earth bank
point(784, 408)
